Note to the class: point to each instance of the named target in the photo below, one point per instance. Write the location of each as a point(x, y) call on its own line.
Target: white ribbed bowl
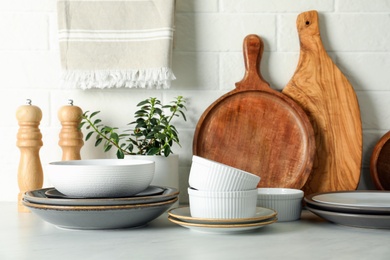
point(211, 175)
point(287, 202)
point(222, 204)
point(101, 177)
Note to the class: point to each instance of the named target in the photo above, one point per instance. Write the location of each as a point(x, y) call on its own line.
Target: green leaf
point(120, 154)
point(107, 148)
point(158, 111)
point(98, 141)
point(143, 103)
point(183, 115)
point(107, 129)
point(153, 151)
point(85, 113)
point(94, 114)
point(97, 121)
point(114, 137)
point(159, 128)
point(141, 112)
point(88, 136)
point(167, 150)
point(160, 136)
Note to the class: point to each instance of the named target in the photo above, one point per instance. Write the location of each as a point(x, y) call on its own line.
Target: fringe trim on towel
point(147, 78)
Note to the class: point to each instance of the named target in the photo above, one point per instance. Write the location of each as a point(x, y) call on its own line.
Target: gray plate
point(353, 220)
point(149, 191)
point(99, 217)
point(350, 208)
point(39, 196)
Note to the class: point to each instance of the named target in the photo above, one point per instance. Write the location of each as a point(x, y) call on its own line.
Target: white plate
point(222, 228)
point(363, 199)
point(184, 214)
point(353, 220)
point(39, 196)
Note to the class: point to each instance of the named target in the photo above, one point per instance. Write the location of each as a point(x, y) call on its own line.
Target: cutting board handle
point(253, 51)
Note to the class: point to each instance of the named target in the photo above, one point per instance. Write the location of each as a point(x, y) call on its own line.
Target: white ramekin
point(210, 175)
point(287, 202)
point(222, 204)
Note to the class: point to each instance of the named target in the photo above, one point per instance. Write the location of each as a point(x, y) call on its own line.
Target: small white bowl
point(101, 177)
point(222, 204)
point(287, 202)
point(211, 175)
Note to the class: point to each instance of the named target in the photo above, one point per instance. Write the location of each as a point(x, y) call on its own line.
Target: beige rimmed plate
point(184, 214)
point(223, 228)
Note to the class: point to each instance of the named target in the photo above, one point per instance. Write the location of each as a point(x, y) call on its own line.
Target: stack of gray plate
point(368, 209)
point(100, 213)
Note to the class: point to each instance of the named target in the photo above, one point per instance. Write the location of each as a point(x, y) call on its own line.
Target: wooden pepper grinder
point(29, 141)
point(71, 138)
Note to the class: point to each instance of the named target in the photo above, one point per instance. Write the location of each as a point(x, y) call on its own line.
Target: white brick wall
point(207, 61)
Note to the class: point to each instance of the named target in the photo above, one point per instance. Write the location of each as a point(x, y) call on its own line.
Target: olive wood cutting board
point(329, 100)
point(257, 129)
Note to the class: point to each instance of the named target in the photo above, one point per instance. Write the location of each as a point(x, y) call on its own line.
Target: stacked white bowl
point(220, 191)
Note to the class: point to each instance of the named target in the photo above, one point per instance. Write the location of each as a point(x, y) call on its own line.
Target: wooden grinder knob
point(29, 141)
point(71, 138)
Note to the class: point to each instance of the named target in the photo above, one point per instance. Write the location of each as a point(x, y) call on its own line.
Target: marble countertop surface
point(26, 236)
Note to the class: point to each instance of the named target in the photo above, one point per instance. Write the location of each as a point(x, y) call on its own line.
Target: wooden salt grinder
point(29, 141)
point(71, 138)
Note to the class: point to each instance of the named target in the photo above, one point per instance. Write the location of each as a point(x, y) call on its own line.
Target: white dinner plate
point(184, 214)
point(222, 228)
point(362, 199)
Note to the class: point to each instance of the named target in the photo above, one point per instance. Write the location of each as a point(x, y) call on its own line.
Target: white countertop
point(26, 236)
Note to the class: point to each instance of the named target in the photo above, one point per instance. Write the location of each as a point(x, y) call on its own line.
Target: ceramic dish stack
point(100, 194)
point(367, 209)
point(222, 200)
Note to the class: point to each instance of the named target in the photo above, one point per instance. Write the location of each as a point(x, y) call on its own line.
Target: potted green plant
point(150, 135)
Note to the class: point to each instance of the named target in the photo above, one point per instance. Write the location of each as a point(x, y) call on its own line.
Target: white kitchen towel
point(112, 43)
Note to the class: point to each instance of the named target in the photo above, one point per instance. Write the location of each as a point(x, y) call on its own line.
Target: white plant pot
point(166, 169)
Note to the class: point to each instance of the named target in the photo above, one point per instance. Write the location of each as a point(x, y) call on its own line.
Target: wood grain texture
point(29, 142)
point(328, 98)
point(380, 163)
point(70, 137)
point(257, 129)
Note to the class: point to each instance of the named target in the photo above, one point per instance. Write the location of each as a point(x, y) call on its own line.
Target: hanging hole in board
point(307, 22)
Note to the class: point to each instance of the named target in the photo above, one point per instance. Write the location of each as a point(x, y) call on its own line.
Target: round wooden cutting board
point(326, 95)
point(257, 129)
point(380, 163)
